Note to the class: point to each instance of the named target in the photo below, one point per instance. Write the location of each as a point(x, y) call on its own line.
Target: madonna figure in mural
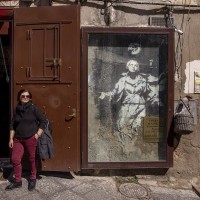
point(134, 93)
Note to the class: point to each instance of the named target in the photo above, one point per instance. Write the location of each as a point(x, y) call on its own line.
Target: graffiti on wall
point(134, 91)
point(127, 84)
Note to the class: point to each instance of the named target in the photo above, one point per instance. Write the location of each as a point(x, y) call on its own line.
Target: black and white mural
point(127, 92)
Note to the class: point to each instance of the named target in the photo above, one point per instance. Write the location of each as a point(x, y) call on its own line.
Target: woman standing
point(26, 127)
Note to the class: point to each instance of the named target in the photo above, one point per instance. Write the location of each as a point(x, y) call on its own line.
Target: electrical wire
point(188, 21)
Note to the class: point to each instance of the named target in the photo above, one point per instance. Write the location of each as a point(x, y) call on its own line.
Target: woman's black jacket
point(26, 120)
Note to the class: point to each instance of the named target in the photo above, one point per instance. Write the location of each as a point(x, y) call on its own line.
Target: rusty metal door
point(46, 62)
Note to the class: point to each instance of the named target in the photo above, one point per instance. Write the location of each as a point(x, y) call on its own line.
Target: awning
point(6, 13)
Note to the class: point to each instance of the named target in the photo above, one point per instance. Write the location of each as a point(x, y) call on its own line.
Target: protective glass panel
point(127, 97)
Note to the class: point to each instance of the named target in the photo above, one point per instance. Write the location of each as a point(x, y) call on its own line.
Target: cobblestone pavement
point(55, 186)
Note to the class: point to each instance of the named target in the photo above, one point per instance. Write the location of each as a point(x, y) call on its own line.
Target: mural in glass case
point(127, 97)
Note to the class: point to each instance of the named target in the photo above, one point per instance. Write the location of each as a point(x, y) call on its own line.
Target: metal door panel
point(46, 61)
point(47, 38)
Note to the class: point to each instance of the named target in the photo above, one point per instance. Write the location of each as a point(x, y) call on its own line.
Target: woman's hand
point(12, 133)
point(36, 136)
point(39, 133)
point(11, 143)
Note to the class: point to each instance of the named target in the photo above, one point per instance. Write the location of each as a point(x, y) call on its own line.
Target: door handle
point(28, 72)
point(71, 116)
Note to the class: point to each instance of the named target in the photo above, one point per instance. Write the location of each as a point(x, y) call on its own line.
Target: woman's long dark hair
point(19, 94)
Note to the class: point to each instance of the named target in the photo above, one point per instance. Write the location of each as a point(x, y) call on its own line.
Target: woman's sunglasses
point(25, 96)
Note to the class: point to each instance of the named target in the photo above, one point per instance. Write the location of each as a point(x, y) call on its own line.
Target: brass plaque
point(153, 129)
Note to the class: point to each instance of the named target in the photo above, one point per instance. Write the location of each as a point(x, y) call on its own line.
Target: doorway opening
point(5, 83)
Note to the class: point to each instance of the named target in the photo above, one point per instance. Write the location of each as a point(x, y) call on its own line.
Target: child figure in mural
point(134, 92)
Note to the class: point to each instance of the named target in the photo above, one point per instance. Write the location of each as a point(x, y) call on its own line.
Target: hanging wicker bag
point(184, 123)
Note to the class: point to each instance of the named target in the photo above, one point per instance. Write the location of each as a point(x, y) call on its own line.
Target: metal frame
point(84, 98)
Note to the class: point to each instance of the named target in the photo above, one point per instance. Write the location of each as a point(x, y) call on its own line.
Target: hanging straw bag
point(183, 123)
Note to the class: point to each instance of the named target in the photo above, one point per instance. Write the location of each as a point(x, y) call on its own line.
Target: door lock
point(57, 62)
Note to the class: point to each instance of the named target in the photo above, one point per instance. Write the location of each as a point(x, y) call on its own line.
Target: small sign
point(153, 129)
point(196, 82)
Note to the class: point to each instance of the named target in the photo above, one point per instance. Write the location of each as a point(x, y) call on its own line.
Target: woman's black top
point(26, 120)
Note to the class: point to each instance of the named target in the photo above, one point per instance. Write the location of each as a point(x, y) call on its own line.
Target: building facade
point(109, 75)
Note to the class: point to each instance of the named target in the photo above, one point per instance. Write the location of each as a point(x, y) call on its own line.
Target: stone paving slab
point(66, 195)
point(196, 188)
point(52, 188)
point(159, 193)
point(60, 187)
point(48, 187)
point(100, 194)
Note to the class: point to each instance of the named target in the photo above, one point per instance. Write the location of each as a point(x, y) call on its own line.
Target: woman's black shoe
point(14, 185)
point(31, 184)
